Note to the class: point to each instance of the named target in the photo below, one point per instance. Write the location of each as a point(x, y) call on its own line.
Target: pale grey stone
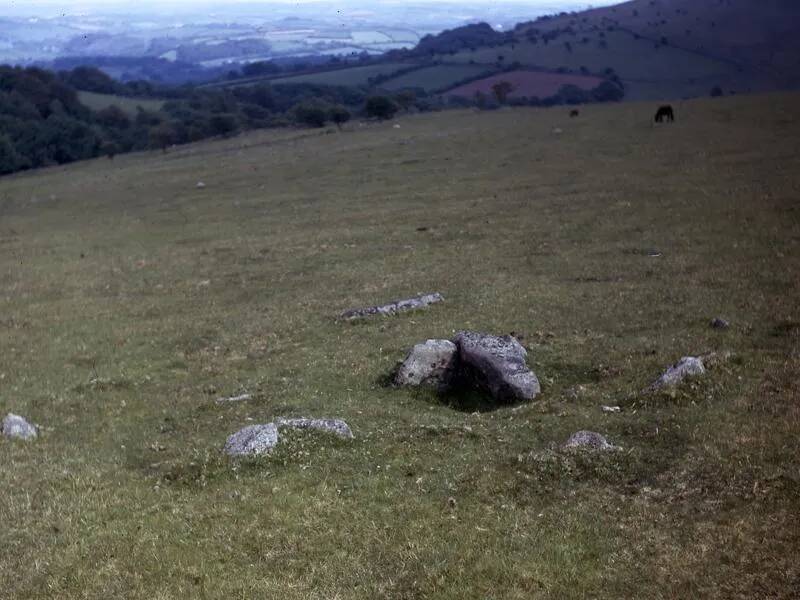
point(497, 364)
point(393, 307)
point(15, 426)
point(686, 367)
point(252, 440)
point(433, 362)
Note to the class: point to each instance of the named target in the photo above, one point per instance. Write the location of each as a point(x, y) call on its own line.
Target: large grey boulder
point(433, 362)
point(588, 440)
point(687, 367)
point(393, 307)
point(15, 426)
point(497, 364)
point(334, 426)
point(252, 440)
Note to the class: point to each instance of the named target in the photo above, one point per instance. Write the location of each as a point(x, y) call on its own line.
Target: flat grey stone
point(393, 307)
point(252, 440)
point(589, 440)
point(335, 426)
point(433, 362)
point(687, 367)
point(15, 426)
point(497, 364)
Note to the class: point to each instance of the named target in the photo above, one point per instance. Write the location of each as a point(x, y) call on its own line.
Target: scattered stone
point(432, 363)
point(558, 130)
point(588, 440)
point(393, 307)
point(240, 398)
point(253, 440)
point(15, 426)
point(686, 367)
point(335, 426)
point(719, 323)
point(611, 409)
point(200, 185)
point(396, 126)
point(497, 364)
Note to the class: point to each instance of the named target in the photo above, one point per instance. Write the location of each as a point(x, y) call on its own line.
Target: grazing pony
point(665, 112)
point(574, 112)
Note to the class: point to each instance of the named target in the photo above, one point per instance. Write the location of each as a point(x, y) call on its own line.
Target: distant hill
point(657, 48)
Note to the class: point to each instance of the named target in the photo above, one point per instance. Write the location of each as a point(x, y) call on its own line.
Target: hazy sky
point(32, 4)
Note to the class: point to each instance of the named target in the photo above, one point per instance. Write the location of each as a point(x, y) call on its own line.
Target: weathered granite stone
point(252, 440)
point(497, 364)
point(589, 440)
point(335, 426)
point(687, 367)
point(433, 362)
point(393, 307)
point(15, 426)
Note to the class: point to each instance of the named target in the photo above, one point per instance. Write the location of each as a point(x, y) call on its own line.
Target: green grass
point(131, 300)
point(436, 78)
point(129, 105)
point(354, 76)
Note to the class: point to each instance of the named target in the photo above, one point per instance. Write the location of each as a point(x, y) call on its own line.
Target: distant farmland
point(354, 76)
point(527, 84)
point(436, 78)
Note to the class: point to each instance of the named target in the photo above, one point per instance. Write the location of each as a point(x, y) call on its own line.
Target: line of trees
point(43, 122)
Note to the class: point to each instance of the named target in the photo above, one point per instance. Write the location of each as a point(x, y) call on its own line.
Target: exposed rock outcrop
point(497, 364)
point(253, 440)
point(393, 307)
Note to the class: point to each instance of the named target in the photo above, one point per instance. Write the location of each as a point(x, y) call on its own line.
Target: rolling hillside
point(133, 299)
point(658, 48)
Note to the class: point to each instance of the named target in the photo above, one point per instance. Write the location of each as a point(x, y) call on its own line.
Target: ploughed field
point(132, 299)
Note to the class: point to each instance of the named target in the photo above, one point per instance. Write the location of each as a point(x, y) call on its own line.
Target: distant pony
point(574, 112)
point(665, 112)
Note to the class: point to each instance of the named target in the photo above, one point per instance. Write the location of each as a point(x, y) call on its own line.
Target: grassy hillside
point(133, 299)
point(761, 37)
point(636, 62)
point(129, 105)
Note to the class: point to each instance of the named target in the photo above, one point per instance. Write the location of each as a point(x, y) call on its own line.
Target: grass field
point(129, 105)
point(436, 78)
point(354, 76)
point(132, 300)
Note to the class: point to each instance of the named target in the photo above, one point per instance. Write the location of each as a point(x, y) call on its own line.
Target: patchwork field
point(354, 76)
point(436, 78)
point(526, 84)
point(132, 299)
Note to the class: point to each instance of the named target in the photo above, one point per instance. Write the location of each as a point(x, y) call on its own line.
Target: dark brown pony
point(665, 112)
